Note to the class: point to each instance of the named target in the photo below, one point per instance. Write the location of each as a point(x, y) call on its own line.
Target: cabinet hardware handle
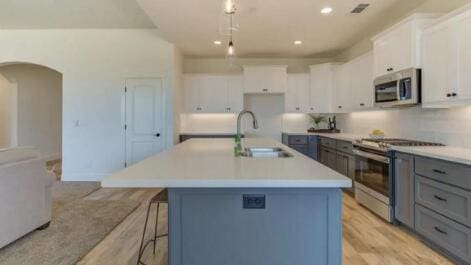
point(264, 90)
point(454, 94)
point(340, 107)
point(157, 135)
point(362, 104)
point(440, 198)
point(312, 108)
point(297, 108)
point(440, 231)
point(439, 171)
point(448, 95)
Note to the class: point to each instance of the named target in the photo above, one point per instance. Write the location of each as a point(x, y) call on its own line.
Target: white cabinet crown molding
point(415, 16)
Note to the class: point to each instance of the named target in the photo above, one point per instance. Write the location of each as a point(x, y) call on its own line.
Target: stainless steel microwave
point(399, 89)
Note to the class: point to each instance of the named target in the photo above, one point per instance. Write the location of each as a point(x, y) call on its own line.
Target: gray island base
point(252, 226)
point(235, 210)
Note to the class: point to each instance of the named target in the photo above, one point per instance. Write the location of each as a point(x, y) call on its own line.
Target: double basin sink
point(265, 152)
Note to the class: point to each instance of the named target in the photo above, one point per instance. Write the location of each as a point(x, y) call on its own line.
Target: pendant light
point(230, 48)
point(229, 7)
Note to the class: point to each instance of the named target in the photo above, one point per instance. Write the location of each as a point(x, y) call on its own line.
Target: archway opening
point(31, 111)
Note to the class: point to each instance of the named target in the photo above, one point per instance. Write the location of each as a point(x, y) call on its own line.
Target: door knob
point(157, 135)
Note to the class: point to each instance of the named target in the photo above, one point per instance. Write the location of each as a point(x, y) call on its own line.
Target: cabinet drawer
point(448, 172)
point(298, 139)
point(454, 203)
point(300, 148)
point(344, 146)
point(444, 232)
point(327, 142)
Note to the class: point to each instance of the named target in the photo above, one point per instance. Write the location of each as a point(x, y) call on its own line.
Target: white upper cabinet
point(446, 81)
point(398, 48)
point(322, 84)
point(265, 79)
point(213, 93)
point(361, 82)
point(342, 93)
point(297, 94)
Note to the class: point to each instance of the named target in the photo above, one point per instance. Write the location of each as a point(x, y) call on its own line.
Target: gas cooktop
point(387, 143)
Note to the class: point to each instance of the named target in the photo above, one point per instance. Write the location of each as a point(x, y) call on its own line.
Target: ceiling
point(269, 27)
point(53, 14)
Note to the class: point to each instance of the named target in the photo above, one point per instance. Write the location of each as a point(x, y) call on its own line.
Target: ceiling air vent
point(360, 8)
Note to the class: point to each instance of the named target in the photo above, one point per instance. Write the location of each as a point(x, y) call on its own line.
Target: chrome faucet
point(239, 134)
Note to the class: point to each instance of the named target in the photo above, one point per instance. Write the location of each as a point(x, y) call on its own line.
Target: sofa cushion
point(17, 154)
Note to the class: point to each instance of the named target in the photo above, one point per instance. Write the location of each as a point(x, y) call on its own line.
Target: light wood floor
point(367, 240)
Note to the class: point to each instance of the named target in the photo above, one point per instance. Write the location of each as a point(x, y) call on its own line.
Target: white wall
point(448, 126)
point(94, 64)
point(39, 107)
point(8, 112)
point(225, 66)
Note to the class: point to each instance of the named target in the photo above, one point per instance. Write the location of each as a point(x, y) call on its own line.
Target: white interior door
point(144, 119)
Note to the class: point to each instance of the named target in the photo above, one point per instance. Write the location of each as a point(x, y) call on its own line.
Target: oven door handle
point(375, 157)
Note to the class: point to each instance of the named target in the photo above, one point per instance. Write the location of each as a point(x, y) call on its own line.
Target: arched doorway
point(31, 96)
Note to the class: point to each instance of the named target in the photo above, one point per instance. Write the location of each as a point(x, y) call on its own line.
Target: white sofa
point(25, 193)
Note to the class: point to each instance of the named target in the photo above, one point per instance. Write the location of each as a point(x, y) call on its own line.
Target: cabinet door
point(265, 79)
point(437, 56)
point(291, 97)
point(382, 56)
point(329, 157)
point(253, 80)
point(342, 91)
point(275, 79)
point(191, 94)
point(404, 189)
point(235, 94)
point(321, 85)
point(297, 93)
point(213, 94)
point(463, 38)
point(362, 82)
point(313, 147)
point(401, 47)
point(342, 164)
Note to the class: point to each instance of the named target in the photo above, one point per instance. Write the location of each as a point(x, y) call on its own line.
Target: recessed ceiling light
point(327, 10)
point(217, 42)
point(298, 42)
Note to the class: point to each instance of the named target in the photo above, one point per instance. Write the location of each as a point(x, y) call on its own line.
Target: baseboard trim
point(52, 157)
point(84, 176)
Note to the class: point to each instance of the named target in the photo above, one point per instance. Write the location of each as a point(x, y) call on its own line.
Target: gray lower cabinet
point(329, 157)
point(433, 197)
point(305, 144)
point(404, 187)
point(450, 235)
point(346, 164)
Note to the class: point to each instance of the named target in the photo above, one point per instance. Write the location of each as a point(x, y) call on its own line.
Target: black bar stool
point(161, 197)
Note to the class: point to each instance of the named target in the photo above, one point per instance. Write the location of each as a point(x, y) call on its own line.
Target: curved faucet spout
point(239, 120)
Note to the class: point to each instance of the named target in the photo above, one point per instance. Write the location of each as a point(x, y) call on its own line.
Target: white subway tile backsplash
point(448, 126)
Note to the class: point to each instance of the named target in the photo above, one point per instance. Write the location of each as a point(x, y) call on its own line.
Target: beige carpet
point(77, 226)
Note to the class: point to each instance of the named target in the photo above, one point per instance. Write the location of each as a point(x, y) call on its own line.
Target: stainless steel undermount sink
point(266, 152)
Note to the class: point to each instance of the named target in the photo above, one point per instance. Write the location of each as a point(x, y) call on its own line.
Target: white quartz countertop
point(448, 153)
point(210, 163)
point(349, 137)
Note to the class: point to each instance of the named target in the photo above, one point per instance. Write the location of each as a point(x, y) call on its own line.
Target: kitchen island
point(244, 210)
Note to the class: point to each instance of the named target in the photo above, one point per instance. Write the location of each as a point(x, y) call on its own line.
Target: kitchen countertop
point(349, 137)
point(210, 163)
point(448, 153)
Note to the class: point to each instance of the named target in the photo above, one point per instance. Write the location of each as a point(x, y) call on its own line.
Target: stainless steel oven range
point(374, 182)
